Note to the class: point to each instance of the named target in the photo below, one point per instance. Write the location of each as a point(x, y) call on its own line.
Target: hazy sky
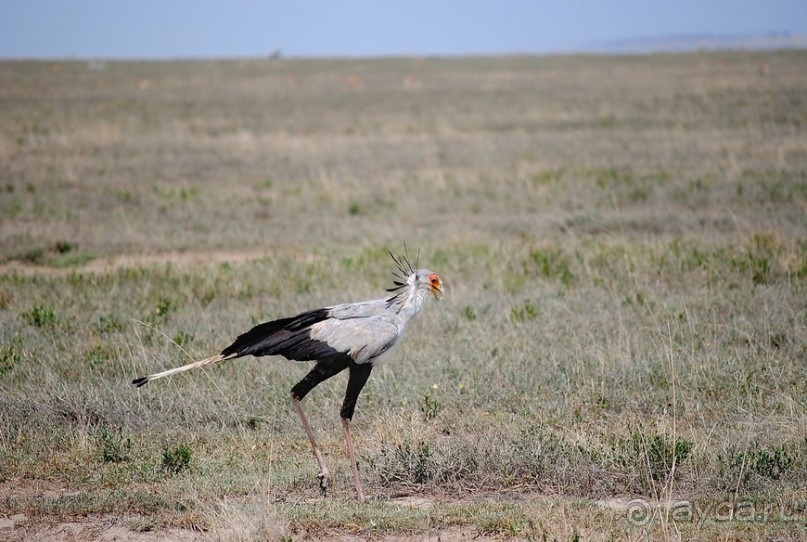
point(184, 28)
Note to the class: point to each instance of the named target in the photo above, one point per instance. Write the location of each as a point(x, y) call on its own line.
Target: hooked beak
point(437, 291)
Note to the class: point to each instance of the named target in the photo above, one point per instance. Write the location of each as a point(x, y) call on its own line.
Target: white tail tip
point(142, 381)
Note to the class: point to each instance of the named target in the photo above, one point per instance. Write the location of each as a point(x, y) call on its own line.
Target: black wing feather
point(287, 337)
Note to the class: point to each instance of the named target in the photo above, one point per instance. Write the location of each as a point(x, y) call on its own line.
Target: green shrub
point(176, 460)
point(40, 316)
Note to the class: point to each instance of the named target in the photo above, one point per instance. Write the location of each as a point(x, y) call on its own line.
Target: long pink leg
point(352, 455)
point(324, 474)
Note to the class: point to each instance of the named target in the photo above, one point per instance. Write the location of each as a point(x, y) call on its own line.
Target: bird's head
point(429, 281)
point(407, 277)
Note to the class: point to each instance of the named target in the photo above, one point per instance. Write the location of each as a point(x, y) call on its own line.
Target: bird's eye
point(434, 280)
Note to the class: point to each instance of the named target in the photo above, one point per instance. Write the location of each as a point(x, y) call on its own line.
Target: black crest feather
point(404, 269)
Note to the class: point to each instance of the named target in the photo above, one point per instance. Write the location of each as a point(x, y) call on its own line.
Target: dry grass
point(623, 241)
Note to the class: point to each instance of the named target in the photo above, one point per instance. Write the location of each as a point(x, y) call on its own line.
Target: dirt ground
point(110, 527)
point(17, 528)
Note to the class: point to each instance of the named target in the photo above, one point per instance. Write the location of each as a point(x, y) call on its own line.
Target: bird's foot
point(324, 482)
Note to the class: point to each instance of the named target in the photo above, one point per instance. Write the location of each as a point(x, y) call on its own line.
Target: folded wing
point(361, 331)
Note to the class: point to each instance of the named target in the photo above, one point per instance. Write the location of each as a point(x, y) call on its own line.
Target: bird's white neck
point(408, 302)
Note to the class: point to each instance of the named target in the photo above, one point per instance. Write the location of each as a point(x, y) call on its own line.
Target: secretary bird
point(352, 336)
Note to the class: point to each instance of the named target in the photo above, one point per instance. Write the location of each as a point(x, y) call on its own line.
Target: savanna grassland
point(621, 353)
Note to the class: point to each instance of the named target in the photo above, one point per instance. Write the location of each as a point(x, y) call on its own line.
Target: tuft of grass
point(657, 454)
point(63, 247)
point(10, 354)
point(527, 310)
point(34, 255)
point(99, 354)
point(108, 324)
point(429, 406)
point(176, 460)
point(182, 339)
point(551, 263)
point(115, 446)
point(747, 467)
point(40, 316)
point(160, 312)
point(469, 313)
point(407, 462)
